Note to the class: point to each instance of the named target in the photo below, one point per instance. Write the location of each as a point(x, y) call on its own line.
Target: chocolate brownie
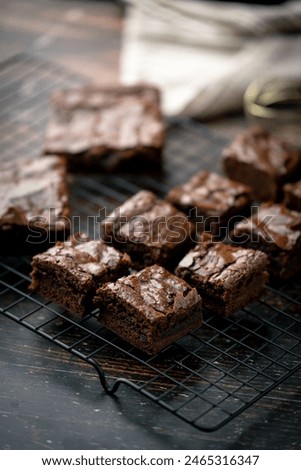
point(107, 128)
point(211, 200)
point(292, 195)
point(151, 230)
point(34, 205)
point(275, 230)
point(226, 277)
point(150, 309)
point(263, 161)
point(70, 272)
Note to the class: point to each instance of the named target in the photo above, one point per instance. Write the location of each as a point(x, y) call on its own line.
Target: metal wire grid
point(208, 377)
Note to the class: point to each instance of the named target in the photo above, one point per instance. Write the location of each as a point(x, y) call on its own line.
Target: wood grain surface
point(48, 398)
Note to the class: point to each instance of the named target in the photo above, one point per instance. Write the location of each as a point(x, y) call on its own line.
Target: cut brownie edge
point(264, 187)
point(120, 318)
point(70, 273)
point(63, 289)
point(107, 128)
point(226, 277)
point(150, 309)
point(110, 160)
point(292, 195)
point(35, 210)
point(251, 289)
point(276, 231)
point(263, 161)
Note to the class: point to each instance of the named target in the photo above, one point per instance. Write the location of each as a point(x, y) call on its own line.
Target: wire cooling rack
point(209, 376)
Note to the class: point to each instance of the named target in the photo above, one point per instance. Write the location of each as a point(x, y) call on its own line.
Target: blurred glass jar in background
point(275, 104)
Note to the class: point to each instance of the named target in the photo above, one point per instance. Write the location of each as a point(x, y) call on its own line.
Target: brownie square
point(292, 195)
point(263, 161)
point(107, 128)
point(34, 205)
point(275, 230)
point(226, 277)
point(211, 200)
point(150, 309)
point(70, 272)
point(151, 230)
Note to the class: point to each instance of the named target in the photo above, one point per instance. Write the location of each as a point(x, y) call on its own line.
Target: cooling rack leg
point(110, 390)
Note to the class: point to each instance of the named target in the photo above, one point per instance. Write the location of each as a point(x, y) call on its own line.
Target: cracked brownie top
point(155, 293)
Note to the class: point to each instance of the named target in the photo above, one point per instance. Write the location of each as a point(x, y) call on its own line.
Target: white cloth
point(204, 54)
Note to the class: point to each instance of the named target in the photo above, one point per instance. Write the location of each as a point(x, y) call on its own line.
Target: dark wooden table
point(48, 398)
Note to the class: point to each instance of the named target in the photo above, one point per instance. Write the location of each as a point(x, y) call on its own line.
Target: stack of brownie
point(162, 263)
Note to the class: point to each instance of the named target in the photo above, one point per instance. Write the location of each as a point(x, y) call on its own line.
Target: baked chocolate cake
point(150, 309)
